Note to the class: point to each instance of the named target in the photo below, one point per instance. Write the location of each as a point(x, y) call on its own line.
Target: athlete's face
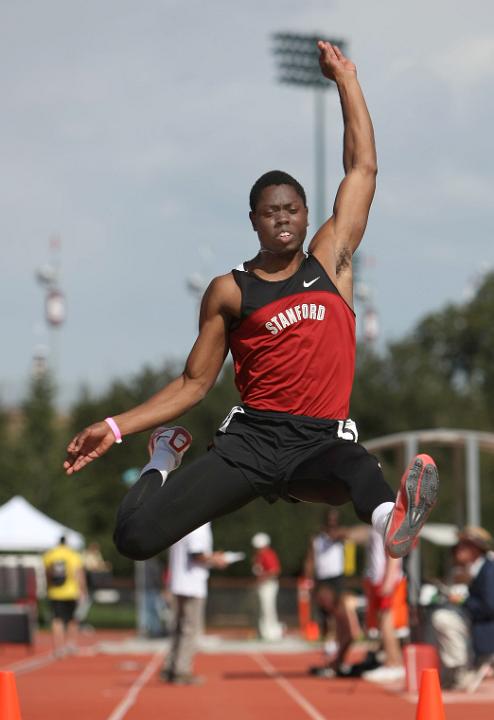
point(280, 219)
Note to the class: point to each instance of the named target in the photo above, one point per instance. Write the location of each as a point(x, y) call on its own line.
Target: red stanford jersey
point(294, 346)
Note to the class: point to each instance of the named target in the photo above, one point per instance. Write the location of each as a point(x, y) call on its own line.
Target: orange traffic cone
point(430, 705)
point(9, 702)
point(311, 631)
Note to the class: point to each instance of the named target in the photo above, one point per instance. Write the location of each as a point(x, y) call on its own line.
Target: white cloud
point(469, 190)
point(469, 62)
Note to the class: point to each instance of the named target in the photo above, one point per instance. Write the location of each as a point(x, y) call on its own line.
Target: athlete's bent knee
point(368, 488)
point(131, 543)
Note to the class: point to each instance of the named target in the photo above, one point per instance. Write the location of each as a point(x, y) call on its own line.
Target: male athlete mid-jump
point(287, 318)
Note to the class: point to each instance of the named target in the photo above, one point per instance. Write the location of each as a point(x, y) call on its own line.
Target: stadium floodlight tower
point(297, 57)
point(48, 276)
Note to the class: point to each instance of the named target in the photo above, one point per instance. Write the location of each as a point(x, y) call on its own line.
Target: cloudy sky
point(134, 130)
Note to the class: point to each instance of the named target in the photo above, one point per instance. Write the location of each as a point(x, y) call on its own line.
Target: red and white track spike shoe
point(176, 439)
point(416, 497)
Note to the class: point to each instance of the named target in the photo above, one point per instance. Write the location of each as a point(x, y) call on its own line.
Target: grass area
point(115, 616)
point(112, 616)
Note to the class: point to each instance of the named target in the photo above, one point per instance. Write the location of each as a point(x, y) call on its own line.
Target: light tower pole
point(297, 59)
point(48, 276)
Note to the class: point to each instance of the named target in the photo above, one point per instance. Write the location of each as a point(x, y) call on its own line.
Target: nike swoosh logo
point(311, 282)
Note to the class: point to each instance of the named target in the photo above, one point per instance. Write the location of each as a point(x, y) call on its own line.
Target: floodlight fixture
point(297, 59)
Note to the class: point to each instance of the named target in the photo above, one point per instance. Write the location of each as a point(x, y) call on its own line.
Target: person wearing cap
point(266, 568)
point(465, 630)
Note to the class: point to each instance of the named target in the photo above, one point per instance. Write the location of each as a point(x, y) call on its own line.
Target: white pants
point(269, 625)
point(453, 635)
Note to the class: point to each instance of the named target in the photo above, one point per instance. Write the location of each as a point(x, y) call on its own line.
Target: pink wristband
point(115, 429)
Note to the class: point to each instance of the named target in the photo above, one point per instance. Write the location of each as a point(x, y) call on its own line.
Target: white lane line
point(265, 665)
point(38, 661)
point(23, 666)
point(124, 706)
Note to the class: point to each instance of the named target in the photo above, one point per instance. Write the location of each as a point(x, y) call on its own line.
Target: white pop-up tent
point(23, 528)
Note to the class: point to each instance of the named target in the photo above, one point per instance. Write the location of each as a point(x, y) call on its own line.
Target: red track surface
point(238, 686)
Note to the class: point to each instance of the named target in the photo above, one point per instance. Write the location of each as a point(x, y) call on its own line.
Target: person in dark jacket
point(465, 630)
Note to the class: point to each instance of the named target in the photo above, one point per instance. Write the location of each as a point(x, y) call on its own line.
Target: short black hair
point(274, 177)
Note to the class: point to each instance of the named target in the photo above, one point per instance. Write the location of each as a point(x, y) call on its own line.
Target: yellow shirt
point(62, 565)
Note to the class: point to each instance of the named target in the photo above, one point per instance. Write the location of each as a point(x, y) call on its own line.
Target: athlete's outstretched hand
point(88, 445)
point(334, 64)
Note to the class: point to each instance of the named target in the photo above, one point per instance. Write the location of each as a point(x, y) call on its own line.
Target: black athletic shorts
point(63, 609)
point(273, 448)
point(333, 583)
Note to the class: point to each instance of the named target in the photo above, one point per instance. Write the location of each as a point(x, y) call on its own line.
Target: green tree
point(37, 446)
point(8, 476)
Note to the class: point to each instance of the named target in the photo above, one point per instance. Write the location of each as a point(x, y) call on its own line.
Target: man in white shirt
point(190, 560)
point(324, 563)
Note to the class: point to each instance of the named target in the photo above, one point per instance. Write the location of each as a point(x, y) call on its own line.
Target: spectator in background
point(153, 602)
point(66, 586)
point(266, 568)
point(98, 573)
point(387, 609)
point(465, 630)
point(93, 559)
point(97, 570)
point(324, 564)
point(190, 560)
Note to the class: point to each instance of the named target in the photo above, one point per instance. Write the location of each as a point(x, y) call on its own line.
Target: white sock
point(380, 517)
point(163, 459)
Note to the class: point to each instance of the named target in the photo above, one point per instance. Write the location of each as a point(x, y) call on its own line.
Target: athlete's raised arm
point(203, 365)
point(336, 241)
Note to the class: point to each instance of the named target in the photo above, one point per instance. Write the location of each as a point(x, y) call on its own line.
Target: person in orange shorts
point(387, 609)
point(378, 602)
